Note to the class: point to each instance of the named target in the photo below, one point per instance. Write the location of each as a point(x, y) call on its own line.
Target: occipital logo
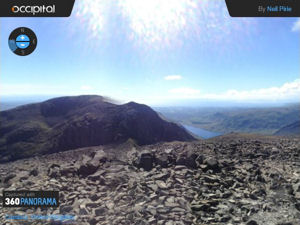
point(33, 9)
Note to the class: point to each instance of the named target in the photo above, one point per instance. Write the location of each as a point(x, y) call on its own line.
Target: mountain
point(66, 123)
point(225, 120)
point(291, 129)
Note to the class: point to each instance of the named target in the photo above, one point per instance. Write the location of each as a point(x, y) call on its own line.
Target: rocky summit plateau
point(231, 179)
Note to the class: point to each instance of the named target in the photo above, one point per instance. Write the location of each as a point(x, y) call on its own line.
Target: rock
point(162, 160)
point(9, 177)
point(204, 207)
point(211, 179)
point(161, 176)
point(225, 219)
point(34, 172)
point(54, 172)
point(212, 164)
point(190, 160)
point(100, 211)
point(97, 176)
point(83, 211)
point(53, 165)
point(154, 187)
point(297, 206)
point(161, 184)
point(100, 156)
point(89, 168)
point(187, 159)
point(252, 222)
point(253, 196)
point(93, 221)
point(200, 159)
point(145, 160)
point(180, 160)
point(71, 171)
point(64, 209)
point(94, 197)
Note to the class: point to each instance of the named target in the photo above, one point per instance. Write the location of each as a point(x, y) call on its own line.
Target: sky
point(155, 52)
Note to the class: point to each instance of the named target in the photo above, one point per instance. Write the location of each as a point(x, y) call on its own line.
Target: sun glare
point(158, 21)
point(161, 24)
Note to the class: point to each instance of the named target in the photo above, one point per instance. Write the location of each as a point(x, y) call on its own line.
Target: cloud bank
point(287, 91)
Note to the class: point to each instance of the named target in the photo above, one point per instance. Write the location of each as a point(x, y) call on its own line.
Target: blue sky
point(155, 54)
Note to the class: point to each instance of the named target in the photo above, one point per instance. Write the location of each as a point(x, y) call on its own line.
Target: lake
point(201, 132)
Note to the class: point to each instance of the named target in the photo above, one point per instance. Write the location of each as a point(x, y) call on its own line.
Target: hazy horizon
point(13, 101)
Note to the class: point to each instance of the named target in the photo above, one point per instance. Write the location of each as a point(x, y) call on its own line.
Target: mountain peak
point(67, 123)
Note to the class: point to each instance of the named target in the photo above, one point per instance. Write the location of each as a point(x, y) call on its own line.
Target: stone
point(54, 172)
point(83, 211)
point(252, 222)
point(71, 170)
point(213, 164)
point(187, 159)
point(190, 160)
point(64, 209)
point(146, 160)
point(100, 156)
point(93, 221)
point(97, 176)
point(95, 197)
point(99, 211)
point(89, 168)
point(297, 206)
point(162, 160)
point(9, 177)
point(161, 184)
point(154, 187)
point(34, 172)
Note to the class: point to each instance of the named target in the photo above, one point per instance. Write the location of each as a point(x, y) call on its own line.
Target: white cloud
point(296, 26)
point(287, 91)
point(173, 77)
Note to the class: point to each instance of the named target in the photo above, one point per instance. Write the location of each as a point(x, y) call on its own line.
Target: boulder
point(34, 172)
point(99, 156)
point(146, 160)
point(187, 159)
point(252, 222)
point(9, 177)
point(162, 160)
point(88, 168)
point(68, 171)
point(212, 164)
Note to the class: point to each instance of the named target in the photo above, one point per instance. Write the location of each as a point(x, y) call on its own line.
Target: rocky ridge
point(226, 180)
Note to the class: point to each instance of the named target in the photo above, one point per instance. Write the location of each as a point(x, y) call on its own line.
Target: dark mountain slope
point(291, 129)
point(72, 122)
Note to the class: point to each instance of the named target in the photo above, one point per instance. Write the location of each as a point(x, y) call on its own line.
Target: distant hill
point(67, 123)
point(225, 120)
point(291, 129)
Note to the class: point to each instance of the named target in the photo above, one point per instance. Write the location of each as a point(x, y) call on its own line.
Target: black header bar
point(263, 8)
point(36, 8)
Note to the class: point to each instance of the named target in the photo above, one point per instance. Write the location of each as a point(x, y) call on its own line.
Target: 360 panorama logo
point(33, 9)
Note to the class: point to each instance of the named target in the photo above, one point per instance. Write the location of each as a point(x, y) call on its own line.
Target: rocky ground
point(236, 179)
